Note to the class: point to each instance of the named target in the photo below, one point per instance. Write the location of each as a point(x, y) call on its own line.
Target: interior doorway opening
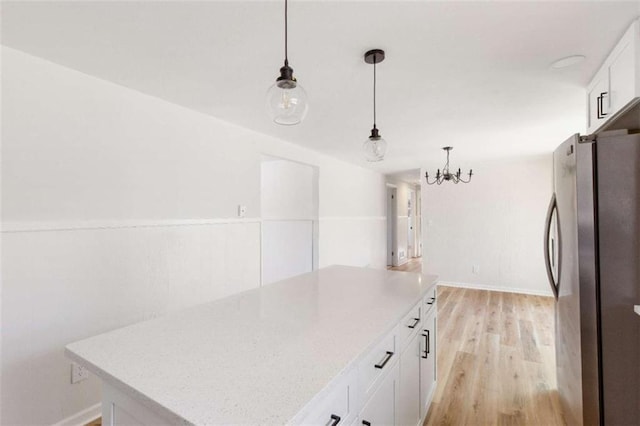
point(404, 219)
point(289, 211)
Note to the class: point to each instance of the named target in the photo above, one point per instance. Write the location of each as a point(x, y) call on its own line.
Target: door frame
point(391, 198)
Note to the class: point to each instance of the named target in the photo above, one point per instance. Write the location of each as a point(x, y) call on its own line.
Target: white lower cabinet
point(409, 395)
point(427, 362)
point(402, 395)
point(381, 407)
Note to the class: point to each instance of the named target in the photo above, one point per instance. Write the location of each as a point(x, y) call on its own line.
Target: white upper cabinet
point(615, 88)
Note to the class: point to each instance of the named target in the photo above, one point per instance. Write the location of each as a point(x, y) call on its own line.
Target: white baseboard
point(83, 417)
point(496, 288)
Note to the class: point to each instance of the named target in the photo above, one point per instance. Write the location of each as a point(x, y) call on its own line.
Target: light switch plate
point(242, 210)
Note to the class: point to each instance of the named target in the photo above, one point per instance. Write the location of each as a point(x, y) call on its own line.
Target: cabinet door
point(409, 395)
point(381, 408)
point(622, 79)
point(427, 362)
point(598, 102)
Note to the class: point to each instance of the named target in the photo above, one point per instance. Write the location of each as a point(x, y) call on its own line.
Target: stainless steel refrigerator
point(592, 251)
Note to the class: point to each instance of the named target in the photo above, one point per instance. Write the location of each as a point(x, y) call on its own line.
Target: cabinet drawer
point(429, 301)
point(410, 324)
point(377, 362)
point(336, 408)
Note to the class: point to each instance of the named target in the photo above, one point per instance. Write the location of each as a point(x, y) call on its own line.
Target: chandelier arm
point(468, 180)
point(426, 177)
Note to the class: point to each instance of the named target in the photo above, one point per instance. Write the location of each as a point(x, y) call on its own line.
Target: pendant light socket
point(286, 79)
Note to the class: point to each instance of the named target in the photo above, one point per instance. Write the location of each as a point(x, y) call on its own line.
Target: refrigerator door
point(567, 312)
point(587, 264)
point(618, 210)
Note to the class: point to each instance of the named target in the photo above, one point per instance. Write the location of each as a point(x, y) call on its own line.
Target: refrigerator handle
point(547, 258)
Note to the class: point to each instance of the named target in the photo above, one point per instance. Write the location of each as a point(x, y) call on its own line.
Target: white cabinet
point(401, 393)
point(409, 395)
point(598, 98)
point(377, 362)
point(381, 408)
point(427, 362)
point(616, 86)
point(410, 325)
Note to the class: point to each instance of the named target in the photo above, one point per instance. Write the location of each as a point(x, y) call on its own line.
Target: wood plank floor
point(496, 360)
point(413, 265)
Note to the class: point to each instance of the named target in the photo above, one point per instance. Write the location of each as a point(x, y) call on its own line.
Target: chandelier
point(446, 175)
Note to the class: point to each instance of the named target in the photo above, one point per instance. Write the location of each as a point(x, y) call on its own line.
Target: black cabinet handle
point(433, 299)
point(426, 345)
point(386, 359)
point(366, 423)
point(600, 105)
point(336, 420)
point(417, 321)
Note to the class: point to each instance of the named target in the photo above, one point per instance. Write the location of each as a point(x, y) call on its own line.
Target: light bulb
point(374, 149)
point(287, 102)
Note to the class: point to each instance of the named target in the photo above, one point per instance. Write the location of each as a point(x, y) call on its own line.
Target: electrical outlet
point(242, 210)
point(78, 373)
point(475, 269)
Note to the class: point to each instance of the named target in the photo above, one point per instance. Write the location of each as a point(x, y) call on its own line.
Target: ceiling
point(474, 75)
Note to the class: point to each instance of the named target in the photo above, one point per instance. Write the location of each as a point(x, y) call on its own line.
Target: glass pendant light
point(375, 147)
point(286, 99)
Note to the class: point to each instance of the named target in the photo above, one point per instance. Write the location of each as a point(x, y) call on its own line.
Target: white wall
point(495, 222)
point(117, 207)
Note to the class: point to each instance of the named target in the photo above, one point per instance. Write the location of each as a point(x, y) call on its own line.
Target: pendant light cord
point(286, 56)
point(374, 92)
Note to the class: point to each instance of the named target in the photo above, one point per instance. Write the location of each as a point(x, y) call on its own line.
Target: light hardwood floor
point(496, 360)
point(413, 265)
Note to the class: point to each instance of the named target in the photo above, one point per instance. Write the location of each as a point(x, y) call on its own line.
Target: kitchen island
point(334, 346)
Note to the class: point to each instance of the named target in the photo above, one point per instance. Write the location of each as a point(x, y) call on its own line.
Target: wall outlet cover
point(242, 210)
point(475, 269)
point(78, 373)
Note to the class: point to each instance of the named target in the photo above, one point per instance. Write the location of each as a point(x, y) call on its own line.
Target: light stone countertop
point(257, 357)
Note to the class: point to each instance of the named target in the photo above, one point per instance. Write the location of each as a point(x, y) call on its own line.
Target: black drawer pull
point(600, 106)
point(386, 359)
point(336, 420)
point(366, 423)
point(433, 299)
point(426, 345)
point(417, 321)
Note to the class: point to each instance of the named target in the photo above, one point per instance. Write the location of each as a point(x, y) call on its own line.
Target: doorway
point(289, 211)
